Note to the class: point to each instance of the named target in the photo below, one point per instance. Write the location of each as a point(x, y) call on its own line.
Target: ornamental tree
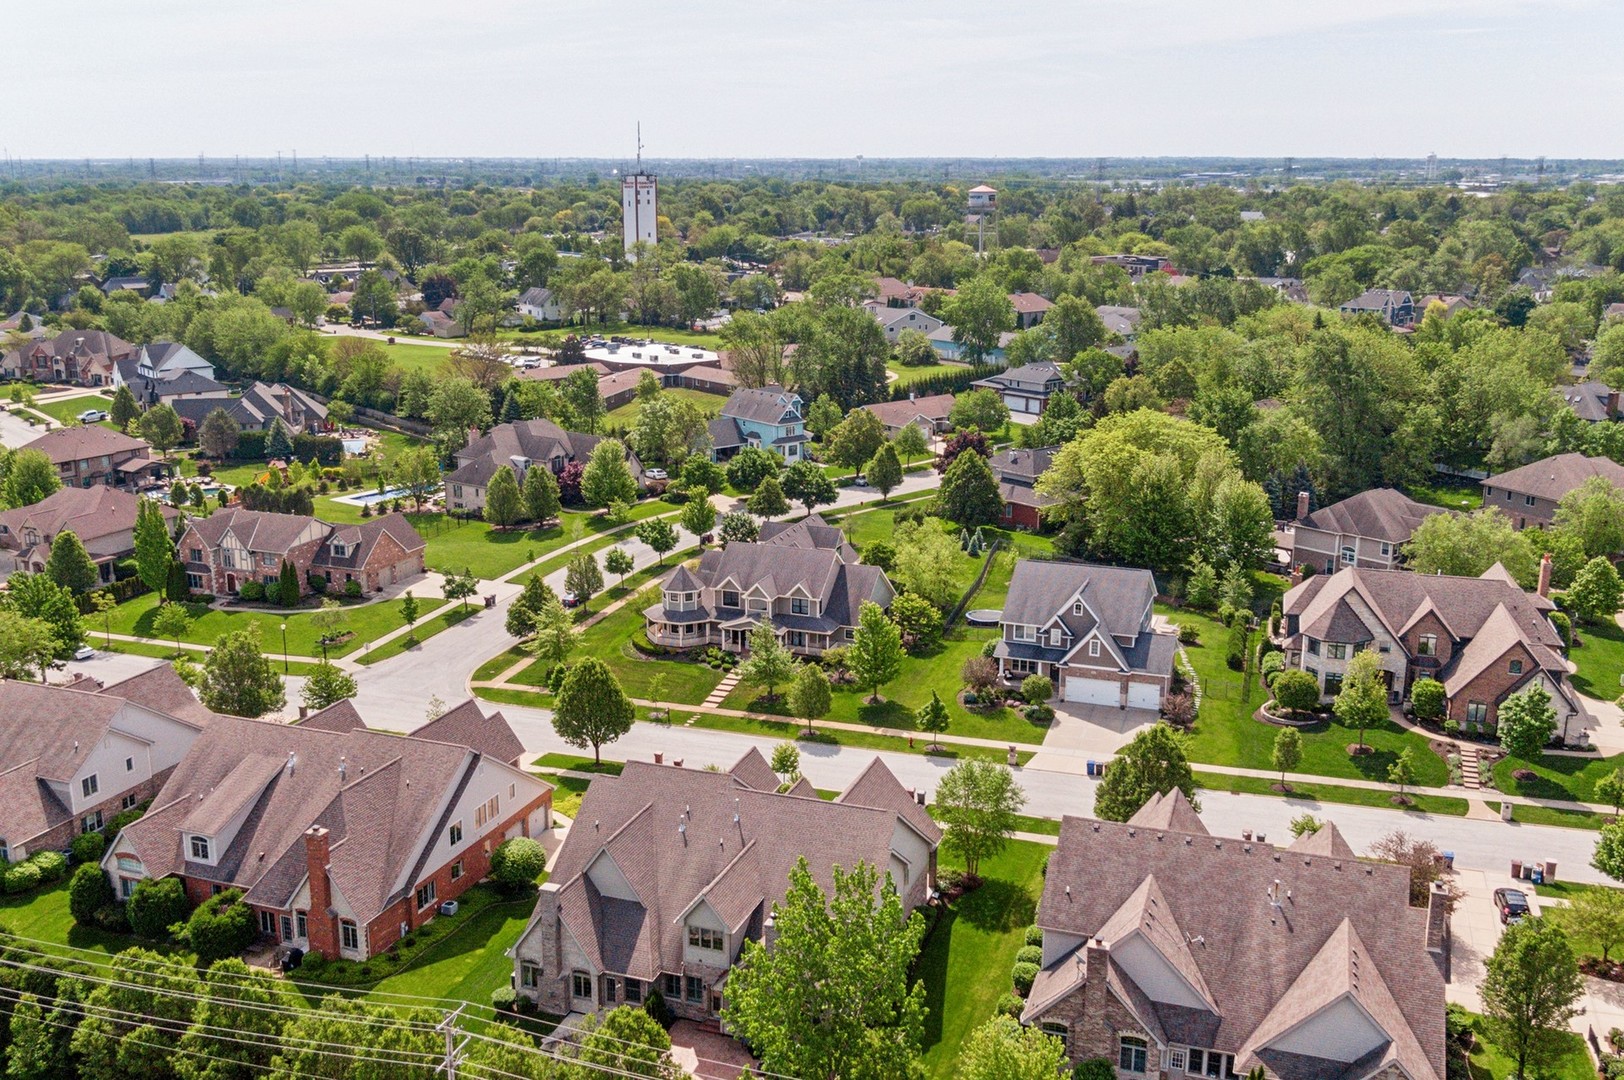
point(876, 649)
point(1154, 763)
point(592, 708)
point(978, 803)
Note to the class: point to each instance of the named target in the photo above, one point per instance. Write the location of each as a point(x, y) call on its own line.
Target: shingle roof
point(338, 717)
point(1555, 476)
point(878, 786)
point(1028, 377)
point(778, 569)
point(766, 405)
point(1327, 840)
point(467, 725)
point(1022, 466)
point(539, 440)
point(161, 690)
point(1119, 320)
point(1040, 589)
point(809, 532)
point(87, 441)
point(1258, 963)
point(1380, 513)
point(1589, 400)
point(99, 516)
point(1169, 810)
point(1029, 303)
point(934, 408)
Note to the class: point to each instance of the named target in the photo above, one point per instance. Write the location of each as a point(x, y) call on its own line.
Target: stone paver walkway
point(723, 689)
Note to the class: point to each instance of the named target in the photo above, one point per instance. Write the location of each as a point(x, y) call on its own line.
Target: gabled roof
point(541, 441)
point(809, 532)
point(161, 690)
point(1553, 477)
point(1041, 589)
point(878, 786)
point(467, 725)
point(87, 441)
point(1326, 840)
point(1380, 514)
point(754, 772)
point(101, 516)
point(933, 407)
point(1029, 377)
point(1119, 320)
point(339, 717)
point(1146, 912)
point(1589, 400)
point(1169, 810)
point(779, 569)
point(772, 405)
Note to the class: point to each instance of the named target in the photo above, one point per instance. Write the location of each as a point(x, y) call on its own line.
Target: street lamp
point(284, 648)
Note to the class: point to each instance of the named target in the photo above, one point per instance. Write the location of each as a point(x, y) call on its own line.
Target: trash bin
point(1550, 870)
point(1537, 875)
point(1516, 869)
point(1093, 768)
point(1449, 860)
point(1505, 811)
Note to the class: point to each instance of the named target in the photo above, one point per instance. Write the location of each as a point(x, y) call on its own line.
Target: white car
point(655, 474)
point(91, 416)
point(84, 652)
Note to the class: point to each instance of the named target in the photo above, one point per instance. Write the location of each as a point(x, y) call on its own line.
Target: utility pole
point(453, 1046)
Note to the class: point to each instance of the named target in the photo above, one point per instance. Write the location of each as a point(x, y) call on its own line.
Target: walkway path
point(715, 698)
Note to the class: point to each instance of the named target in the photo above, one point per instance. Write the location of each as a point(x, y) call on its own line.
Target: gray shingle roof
point(766, 405)
point(1380, 513)
point(1555, 476)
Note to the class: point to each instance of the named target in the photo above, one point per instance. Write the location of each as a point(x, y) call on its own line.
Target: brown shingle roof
point(467, 725)
point(1553, 477)
point(97, 515)
point(78, 443)
point(1381, 514)
point(1169, 810)
point(338, 717)
point(935, 408)
point(161, 690)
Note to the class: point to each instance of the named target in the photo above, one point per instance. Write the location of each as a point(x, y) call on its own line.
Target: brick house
point(640, 899)
point(1484, 638)
point(103, 518)
point(1369, 529)
point(70, 759)
point(519, 446)
point(810, 594)
point(1529, 495)
point(85, 357)
point(1017, 472)
point(341, 840)
point(1172, 953)
point(91, 454)
point(234, 545)
point(1090, 629)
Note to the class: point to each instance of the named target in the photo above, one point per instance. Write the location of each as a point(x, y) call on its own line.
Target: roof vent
point(1247, 848)
point(1188, 840)
point(343, 768)
point(293, 761)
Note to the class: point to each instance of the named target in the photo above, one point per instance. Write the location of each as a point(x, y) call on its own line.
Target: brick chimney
point(322, 921)
point(1544, 588)
point(1612, 404)
point(1438, 917)
point(1302, 505)
point(473, 435)
point(287, 406)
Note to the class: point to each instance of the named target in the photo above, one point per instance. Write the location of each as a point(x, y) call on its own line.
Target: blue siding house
point(770, 417)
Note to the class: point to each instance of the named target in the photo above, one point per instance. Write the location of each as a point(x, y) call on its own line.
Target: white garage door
point(1144, 696)
point(1092, 691)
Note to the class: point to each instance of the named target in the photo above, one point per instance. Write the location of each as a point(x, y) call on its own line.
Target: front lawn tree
point(1288, 752)
point(933, 718)
point(154, 551)
point(556, 636)
point(1595, 914)
point(738, 527)
point(1401, 773)
point(807, 484)
point(911, 443)
point(172, 621)
point(239, 679)
point(1005, 1049)
point(768, 499)
point(408, 612)
point(855, 441)
point(659, 534)
point(831, 997)
point(326, 685)
point(1527, 722)
point(1363, 700)
point(70, 565)
point(592, 708)
point(978, 802)
point(329, 621)
point(876, 650)
point(503, 504)
point(583, 579)
point(1595, 593)
point(1610, 790)
point(809, 696)
point(969, 495)
point(1609, 854)
point(1530, 991)
point(769, 665)
point(161, 426)
point(885, 470)
point(1296, 691)
point(980, 409)
point(617, 560)
point(541, 499)
point(1427, 698)
point(698, 516)
point(606, 478)
point(459, 586)
point(1154, 763)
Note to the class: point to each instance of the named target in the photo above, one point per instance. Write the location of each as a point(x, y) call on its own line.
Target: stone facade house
point(520, 445)
point(103, 518)
point(85, 357)
point(91, 454)
point(1017, 472)
point(768, 417)
point(259, 408)
point(1172, 953)
point(1529, 495)
point(341, 840)
point(669, 871)
point(1368, 530)
point(810, 594)
point(1484, 638)
point(234, 545)
point(70, 759)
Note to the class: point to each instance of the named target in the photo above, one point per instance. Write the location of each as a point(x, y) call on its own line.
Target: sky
point(825, 78)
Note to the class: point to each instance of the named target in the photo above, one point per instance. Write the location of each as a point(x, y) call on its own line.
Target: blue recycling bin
point(1093, 768)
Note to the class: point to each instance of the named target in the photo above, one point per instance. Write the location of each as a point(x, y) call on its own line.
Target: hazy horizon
point(1474, 79)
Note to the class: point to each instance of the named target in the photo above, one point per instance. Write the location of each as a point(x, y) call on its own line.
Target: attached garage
point(1092, 691)
point(1144, 696)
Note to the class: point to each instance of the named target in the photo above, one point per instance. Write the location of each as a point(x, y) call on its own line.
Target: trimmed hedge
point(124, 589)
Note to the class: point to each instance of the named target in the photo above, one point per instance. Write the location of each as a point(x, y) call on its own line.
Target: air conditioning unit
point(448, 907)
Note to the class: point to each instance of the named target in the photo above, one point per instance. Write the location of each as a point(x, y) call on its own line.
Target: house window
point(1528, 500)
point(1131, 1054)
point(634, 991)
point(1054, 639)
point(1077, 607)
point(673, 986)
point(529, 974)
point(1094, 647)
point(89, 785)
point(349, 935)
point(1211, 1063)
point(488, 812)
point(1333, 682)
point(455, 836)
point(200, 848)
point(126, 886)
point(267, 923)
point(1477, 712)
point(1347, 556)
point(1387, 549)
point(267, 560)
point(5, 851)
point(195, 555)
point(1335, 651)
point(1508, 496)
point(129, 802)
point(1515, 667)
point(800, 606)
point(1426, 645)
point(91, 822)
point(693, 989)
point(287, 928)
point(1059, 1031)
point(301, 923)
point(730, 599)
point(1026, 633)
point(425, 895)
point(129, 764)
point(1313, 646)
point(456, 870)
point(1176, 1059)
point(513, 791)
point(1023, 667)
point(580, 985)
point(700, 937)
point(611, 990)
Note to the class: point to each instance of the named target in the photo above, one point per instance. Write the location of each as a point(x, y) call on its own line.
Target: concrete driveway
point(1080, 730)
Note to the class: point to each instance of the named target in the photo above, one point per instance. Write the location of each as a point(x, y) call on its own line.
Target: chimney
point(1302, 505)
point(1612, 404)
point(1438, 917)
point(321, 919)
point(1544, 588)
point(473, 434)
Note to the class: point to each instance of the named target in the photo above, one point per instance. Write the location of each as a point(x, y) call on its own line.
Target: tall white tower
point(639, 208)
point(981, 213)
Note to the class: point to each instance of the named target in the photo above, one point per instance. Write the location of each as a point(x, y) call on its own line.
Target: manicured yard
point(1550, 815)
point(667, 334)
point(1600, 659)
point(43, 916)
point(416, 357)
point(365, 622)
point(1447, 496)
point(626, 415)
point(1225, 733)
point(458, 544)
point(1556, 776)
point(66, 412)
point(1219, 783)
point(965, 963)
point(609, 639)
point(1488, 1062)
point(161, 652)
point(1566, 890)
point(567, 793)
point(907, 376)
point(425, 629)
point(469, 963)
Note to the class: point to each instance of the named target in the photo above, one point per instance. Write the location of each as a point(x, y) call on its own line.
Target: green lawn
point(414, 357)
point(365, 623)
point(456, 544)
point(1600, 659)
point(1332, 793)
point(609, 639)
point(43, 915)
point(499, 663)
point(907, 376)
point(965, 963)
point(667, 334)
point(626, 415)
point(470, 962)
point(567, 793)
point(1225, 733)
point(1566, 890)
point(1556, 776)
point(425, 629)
point(1450, 497)
point(66, 412)
point(1488, 1062)
point(1550, 815)
point(162, 652)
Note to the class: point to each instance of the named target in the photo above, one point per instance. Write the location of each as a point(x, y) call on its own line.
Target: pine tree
point(278, 444)
point(154, 551)
point(124, 408)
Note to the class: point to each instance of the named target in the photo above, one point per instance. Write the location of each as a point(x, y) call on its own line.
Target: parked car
point(569, 599)
point(84, 652)
point(1512, 905)
point(92, 416)
point(655, 474)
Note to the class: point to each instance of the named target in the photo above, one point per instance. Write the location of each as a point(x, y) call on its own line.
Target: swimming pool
point(372, 498)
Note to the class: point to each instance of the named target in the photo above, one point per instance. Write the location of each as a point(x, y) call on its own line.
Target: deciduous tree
point(659, 534)
point(70, 565)
point(1595, 594)
point(1005, 1049)
point(541, 499)
point(326, 685)
point(1154, 763)
point(172, 621)
point(1527, 722)
point(237, 677)
point(809, 696)
point(161, 426)
point(592, 708)
point(30, 478)
point(1530, 991)
point(969, 494)
point(768, 500)
point(978, 803)
point(617, 560)
point(502, 503)
point(556, 636)
point(606, 478)
point(982, 409)
point(769, 664)
point(1363, 699)
point(582, 577)
point(884, 472)
point(807, 484)
point(876, 649)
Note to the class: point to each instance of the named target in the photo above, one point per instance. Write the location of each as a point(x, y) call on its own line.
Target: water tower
point(639, 208)
point(981, 212)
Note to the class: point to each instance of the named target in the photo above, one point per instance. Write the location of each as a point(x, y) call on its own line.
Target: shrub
point(88, 847)
point(123, 818)
point(272, 592)
point(155, 906)
point(656, 1007)
point(1179, 709)
point(1034, 935)
point(1564, 626)
point(1095, 1069)
point(111, 918)
point(313, 962)
point(1188, 634)
point(517, 863)
point(1009, 1005)
point(504, 999)
point(352, 589)
point(53, 866)
point(252, 591)
point(318, 583)
point(1452, 728)
point(1024, 975)
point(1037, 689)
point(1029, 954)
point(21, 878)
point(1235, 652)
point(1295, 690)
point(1271, 665)
point(221, 926)
point(88, 893)
point(1040, 714)
point(1427, 698)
